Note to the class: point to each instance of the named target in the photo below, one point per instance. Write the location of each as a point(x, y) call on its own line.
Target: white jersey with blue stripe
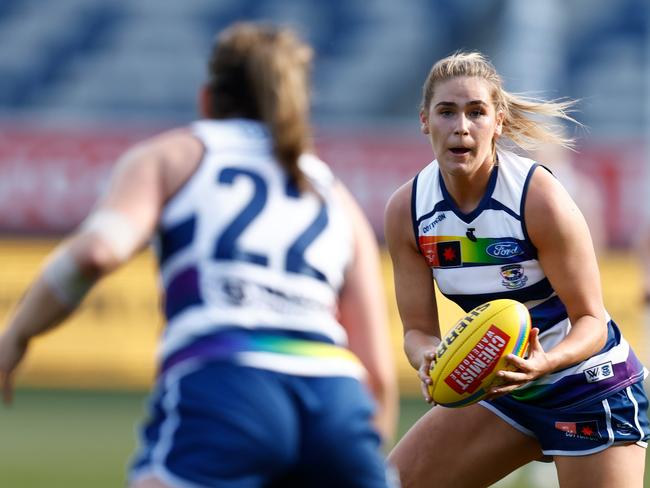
point(241, 249)
point(487, 254)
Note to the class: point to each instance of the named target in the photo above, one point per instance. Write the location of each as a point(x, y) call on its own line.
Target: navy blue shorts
point(621, 418)
point(224, 425)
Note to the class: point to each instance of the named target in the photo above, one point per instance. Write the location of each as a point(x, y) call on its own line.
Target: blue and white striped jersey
point(240, 249)
point(487, 254)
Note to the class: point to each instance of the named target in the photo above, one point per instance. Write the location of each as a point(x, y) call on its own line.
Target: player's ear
point(498, 129)
point(206, 102)
point(424, 122)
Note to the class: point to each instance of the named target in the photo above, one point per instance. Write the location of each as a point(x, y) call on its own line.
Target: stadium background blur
point(80, 80)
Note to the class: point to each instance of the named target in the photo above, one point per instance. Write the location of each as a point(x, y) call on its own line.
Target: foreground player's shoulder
point(150, 171)
point(175, 144)
point(162, 151)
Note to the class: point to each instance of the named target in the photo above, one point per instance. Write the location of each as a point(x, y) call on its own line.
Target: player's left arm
point(363, 313)
point(566, 253)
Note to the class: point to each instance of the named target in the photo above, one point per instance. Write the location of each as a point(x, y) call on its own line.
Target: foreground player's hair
point(262, 72)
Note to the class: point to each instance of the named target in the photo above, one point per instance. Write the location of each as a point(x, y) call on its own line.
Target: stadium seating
point(111, 59)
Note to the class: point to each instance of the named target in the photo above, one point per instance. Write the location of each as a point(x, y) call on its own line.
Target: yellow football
point(472, 352)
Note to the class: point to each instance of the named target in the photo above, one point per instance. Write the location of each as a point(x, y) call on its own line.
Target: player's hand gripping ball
point(475, 349)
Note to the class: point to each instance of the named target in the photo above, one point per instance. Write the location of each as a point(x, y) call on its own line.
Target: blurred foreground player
point(486, 223)
point(275, 315)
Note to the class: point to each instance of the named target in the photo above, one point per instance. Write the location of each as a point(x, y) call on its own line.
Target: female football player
point(577, 398)
point(275, 341)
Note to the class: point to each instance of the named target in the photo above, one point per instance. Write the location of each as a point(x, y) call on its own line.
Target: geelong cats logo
point(513, 276)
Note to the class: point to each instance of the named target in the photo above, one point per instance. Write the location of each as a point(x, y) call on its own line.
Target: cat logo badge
point(513, 276)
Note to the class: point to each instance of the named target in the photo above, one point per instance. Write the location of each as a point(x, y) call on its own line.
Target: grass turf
point(79, 438)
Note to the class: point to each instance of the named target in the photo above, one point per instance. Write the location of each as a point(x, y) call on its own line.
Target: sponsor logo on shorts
point(580, 430)
point(599, 373)
point(623, 428)
point(513, 276)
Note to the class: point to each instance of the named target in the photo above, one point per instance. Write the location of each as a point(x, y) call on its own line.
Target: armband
point(116, 230)
point(63, 277)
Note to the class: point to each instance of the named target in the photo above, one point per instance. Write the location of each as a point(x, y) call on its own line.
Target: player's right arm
point(119, 226)
point(414, 289)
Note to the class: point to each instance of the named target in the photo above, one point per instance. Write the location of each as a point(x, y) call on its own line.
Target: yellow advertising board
point(111, 341)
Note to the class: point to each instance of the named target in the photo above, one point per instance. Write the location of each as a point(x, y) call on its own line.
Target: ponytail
point(261, 72)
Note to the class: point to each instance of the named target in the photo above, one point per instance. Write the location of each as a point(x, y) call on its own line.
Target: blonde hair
point(526, 119)
point(261, 72)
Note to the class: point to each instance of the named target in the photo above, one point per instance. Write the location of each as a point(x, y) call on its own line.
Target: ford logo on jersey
point(504, 250)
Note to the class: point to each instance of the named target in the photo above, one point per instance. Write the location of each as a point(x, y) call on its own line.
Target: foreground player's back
point(241, 246)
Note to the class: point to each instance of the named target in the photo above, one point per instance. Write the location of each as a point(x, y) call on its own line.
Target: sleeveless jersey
point(487, 254)
point(250, 267)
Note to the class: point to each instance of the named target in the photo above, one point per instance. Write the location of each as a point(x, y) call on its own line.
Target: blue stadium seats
point(110, 59)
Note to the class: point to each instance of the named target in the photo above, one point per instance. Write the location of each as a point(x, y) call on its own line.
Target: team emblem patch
point(599, 372)
point(513, 276)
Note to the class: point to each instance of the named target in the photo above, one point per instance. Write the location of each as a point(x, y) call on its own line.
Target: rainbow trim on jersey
point(227, 344)
point(456, 251)
point(573, 390)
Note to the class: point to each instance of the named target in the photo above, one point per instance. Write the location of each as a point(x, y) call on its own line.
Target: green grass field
point(75, 439)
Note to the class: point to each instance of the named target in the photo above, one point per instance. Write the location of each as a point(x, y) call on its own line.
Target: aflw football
point(474, 350)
